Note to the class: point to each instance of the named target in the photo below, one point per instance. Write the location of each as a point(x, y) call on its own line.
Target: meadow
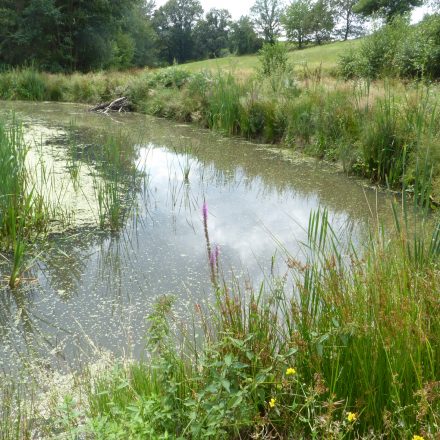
point(350, 349)
point(385, 130)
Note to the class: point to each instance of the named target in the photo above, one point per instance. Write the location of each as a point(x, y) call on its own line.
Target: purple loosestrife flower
point(205, 212)
point(212, 259)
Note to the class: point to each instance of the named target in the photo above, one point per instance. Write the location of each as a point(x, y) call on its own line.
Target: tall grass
point(116, 181)
point(382, 133)
point(30, 198)
point(20, 215)
point(348, 349)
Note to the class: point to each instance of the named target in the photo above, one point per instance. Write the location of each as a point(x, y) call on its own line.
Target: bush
point(171, 77)
point(273, 59)
point(398, 49)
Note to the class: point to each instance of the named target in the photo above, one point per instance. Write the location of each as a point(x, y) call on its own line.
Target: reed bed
point(345, 345)
point(386, 131)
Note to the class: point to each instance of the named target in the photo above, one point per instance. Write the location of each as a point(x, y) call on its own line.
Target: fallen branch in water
point(118, 105)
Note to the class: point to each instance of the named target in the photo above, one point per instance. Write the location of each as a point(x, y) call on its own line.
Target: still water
point(92, 289)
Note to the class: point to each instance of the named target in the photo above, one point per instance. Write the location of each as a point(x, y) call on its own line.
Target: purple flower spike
point(213, 259)
point(205, 211)
point(217, 252)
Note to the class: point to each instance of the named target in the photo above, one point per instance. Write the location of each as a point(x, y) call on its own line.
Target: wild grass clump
point(349, 348)
point(25, 84)
point(223, 111)
point(23, 213)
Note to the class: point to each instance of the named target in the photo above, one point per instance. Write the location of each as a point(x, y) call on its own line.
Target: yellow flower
point(290, 371)
point(352, 417)
point(272, 402)
point(417, 437)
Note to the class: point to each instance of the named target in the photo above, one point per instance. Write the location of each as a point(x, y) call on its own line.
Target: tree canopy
point(266, 15)
point(69, 35)
point(387, 8)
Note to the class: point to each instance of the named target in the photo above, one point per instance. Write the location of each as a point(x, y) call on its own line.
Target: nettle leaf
point(228, 360)
point(235, 400)
point(212, 389)
point(226, 385)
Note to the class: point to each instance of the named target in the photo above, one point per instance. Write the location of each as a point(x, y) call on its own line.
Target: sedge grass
point(385, 131)
point(350, 349)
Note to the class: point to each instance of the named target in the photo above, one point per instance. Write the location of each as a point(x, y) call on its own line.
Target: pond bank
point(305, 322)
point(388, 134)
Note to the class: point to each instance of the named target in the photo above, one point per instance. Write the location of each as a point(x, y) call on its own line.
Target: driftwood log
point(118, 105)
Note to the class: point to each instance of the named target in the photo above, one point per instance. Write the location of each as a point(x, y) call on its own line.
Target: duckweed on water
point(351, 352)
point(387, 132)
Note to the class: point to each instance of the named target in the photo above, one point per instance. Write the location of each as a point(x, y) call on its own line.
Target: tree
point(322, 17)
point(266, 15)
point(351, 23)
point(243, 39)
point(68, 35)
point(297, 21)
point(387, 8)
point(174, 23)
point(138, 26)
point(28, 33)
point(212, 33)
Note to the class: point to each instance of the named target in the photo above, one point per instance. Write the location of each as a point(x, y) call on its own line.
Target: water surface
point(93, 289)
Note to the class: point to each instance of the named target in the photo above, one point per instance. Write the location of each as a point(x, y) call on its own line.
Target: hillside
point(327, 54)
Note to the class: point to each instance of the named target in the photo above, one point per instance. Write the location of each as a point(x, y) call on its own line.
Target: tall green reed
point(348, 348)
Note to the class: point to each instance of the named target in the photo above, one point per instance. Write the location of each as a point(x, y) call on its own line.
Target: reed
point(348, 349)
point(382, 132)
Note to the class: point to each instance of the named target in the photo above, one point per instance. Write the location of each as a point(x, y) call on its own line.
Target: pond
point(90, 288)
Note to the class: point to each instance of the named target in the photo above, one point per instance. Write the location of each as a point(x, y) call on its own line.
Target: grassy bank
point(345, 345)
point(351, 351)
point(386, 131)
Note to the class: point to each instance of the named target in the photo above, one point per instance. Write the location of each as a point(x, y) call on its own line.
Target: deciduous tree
point(387, 8)
point(266, 15)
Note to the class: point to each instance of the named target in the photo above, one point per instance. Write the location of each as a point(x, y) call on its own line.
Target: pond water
point(90, 288)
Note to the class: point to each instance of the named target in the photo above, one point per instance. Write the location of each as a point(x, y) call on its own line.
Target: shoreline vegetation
point(385, 130)
point(345, 345)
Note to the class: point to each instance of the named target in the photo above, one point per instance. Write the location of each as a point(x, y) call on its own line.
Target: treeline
point(71, 35)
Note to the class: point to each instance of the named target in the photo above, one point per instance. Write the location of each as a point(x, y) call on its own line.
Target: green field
point(327, 55)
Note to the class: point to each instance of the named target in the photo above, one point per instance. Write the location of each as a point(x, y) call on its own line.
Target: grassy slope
point(327, 54)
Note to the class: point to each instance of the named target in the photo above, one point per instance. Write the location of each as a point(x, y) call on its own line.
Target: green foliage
point(398, 49)
point(212, 33)
point(243, 39)
point(175, 22)
point(90, 35)
point(266, 14)
point(351, 353)
point(297, 21)
point(351, 24)
point(304, 21)
point(387, 8)
point(273, 59)
point(224, 105)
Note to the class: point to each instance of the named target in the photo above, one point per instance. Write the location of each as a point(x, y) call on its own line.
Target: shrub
point(398, 49)
point(273, 59)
